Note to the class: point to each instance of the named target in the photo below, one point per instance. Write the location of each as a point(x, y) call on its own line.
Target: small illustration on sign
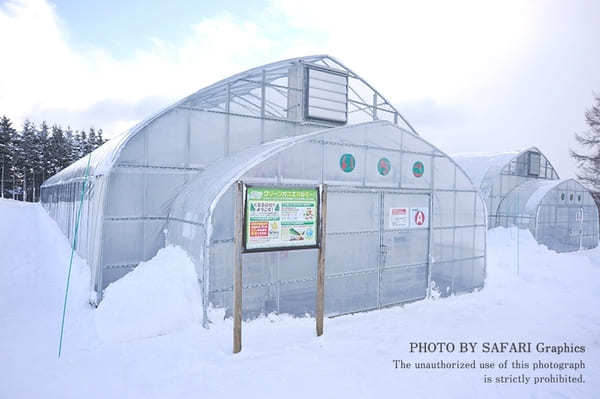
point(419, 217)
point(384, 166)
point(347, 163)
point(418, 169)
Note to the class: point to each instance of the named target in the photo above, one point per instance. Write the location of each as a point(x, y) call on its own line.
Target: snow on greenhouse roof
point(241, 88)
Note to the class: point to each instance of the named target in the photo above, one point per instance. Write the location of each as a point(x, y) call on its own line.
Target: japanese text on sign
point(281, 218)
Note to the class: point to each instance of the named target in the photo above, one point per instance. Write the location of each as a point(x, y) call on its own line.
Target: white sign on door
point(399, 218)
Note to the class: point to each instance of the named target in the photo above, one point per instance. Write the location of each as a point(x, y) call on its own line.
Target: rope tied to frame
point(73, 247)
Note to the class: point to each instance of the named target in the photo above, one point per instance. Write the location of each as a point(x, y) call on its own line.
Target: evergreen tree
point(7, 132)
point(43, 151)
point(91, 140)
point(99, 139)
point(71, 145)
point(58, 146)
point(28, 155)
point(17, 162)
point(83, 144)
point(588, 161)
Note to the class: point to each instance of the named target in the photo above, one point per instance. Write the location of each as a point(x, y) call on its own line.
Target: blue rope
point(62, 325)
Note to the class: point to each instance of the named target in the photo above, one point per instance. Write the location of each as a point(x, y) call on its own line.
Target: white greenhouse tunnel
point(302, 122)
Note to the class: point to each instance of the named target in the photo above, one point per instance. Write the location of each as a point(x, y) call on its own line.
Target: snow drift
point(159, 296)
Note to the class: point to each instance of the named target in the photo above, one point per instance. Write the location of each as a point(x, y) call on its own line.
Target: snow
point(122, 350)
point(158, 297)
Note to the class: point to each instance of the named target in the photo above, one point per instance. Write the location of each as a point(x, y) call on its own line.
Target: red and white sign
point(419, 217)
point(399, 218)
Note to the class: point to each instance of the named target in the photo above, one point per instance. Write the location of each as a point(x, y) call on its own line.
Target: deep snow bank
point(159, 296)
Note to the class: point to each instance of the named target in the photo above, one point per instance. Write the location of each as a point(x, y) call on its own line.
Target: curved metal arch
point(108, 159)
point(533, 148)
point(307, 60)
point(517, 155)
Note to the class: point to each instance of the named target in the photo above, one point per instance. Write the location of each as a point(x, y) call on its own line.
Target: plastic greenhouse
point(168, 181)
point(560, 214)
point(522, 188)
point(498, 174)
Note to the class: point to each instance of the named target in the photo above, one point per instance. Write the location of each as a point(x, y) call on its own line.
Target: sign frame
point(239, 240)
point(245, 226)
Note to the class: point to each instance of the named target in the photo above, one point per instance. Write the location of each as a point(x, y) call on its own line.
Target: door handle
point(385, 251)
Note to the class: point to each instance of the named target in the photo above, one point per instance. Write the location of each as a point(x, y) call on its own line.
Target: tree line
point(34, 153)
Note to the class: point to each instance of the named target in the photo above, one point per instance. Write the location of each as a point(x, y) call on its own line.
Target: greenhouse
point(496, 175)
point(560, 214)
point(522, 188)
point(404, 221)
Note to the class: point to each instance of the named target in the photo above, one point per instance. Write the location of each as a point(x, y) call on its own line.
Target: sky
point(470, 76)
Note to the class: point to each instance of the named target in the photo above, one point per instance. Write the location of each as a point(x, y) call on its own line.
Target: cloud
point(46, 78)
point(469, 75)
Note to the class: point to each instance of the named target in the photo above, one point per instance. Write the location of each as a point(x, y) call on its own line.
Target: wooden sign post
point(320, 311)
point(237, 268)
point(260, 215)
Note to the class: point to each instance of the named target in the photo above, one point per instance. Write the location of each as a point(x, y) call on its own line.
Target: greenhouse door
point(580, 227)
point(404, 247)
point(377, 249)
point(574, 219)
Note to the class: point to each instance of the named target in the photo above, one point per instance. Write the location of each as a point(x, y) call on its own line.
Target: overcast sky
point(471, 76)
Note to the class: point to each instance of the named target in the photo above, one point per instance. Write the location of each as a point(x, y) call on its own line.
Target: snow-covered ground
point(145, 340)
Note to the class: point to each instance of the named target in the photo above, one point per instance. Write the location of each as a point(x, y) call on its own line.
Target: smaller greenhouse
point(560, 214)
point(496, 175)
point(523, 188)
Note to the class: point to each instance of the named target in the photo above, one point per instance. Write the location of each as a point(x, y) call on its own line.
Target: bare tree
point(588, 161)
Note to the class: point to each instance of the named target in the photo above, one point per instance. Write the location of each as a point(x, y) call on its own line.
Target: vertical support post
point(375, 107)
point(263, 99)
point(430, 232)
point(228, 111)
point(320, 311)
point(518, 213)
point(237, 268)
point(580, 228)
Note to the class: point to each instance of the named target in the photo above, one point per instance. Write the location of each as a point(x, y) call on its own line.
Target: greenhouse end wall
point(369, 264)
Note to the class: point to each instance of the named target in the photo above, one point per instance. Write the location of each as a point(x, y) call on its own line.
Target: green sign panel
point(418, 169)
point(347, 163)
point(384, 166)
point(281, 218)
